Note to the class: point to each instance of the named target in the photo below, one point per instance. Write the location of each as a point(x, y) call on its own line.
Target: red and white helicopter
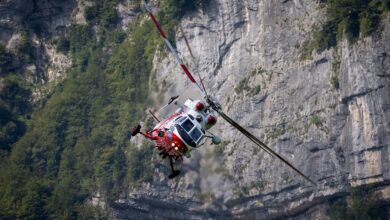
point(184, 130)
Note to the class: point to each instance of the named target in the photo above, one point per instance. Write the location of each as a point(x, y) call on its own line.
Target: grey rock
point(338, 137)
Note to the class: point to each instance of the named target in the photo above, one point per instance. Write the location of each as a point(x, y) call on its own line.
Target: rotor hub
point(213, 103)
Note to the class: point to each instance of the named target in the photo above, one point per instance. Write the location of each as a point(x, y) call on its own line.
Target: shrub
point(335, 82)
point(140, 169)
point(5, 59)
point(315, 120)
point(80, 37)
point(103, 13)
point(91, 13)
point(362, 205)
point(242, 86)
point(25, 48)
point(63, 45)
point(206, 197)
point(14, 104)
point(306, 50)
point(348, 18)
point(276, 132)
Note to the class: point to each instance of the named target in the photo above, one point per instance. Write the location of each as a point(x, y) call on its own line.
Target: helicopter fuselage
point(183, 131)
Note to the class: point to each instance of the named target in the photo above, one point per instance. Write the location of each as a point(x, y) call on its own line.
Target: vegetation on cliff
point(361, 204)
point(346, 18)
point(78, 144)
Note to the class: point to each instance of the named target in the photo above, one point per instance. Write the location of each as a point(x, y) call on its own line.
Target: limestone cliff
point(248, 55)
point(34, 23)
point(328, 115)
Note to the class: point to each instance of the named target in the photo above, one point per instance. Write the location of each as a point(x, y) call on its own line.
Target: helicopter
point(185, 129)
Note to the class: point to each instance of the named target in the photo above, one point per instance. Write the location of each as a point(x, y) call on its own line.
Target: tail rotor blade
point(261, 144)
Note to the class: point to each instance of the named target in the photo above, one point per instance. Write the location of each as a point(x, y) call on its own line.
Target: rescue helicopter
point(185, 129)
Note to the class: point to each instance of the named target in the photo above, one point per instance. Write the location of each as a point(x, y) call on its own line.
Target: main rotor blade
point(186, 40)
point(172, 49)
point(194, 60)
point(260, 143)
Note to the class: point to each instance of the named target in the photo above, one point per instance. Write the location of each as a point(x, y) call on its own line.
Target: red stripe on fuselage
point(157, 25)
point(188, 73)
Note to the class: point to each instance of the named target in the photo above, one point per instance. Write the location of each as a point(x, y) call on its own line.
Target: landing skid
point(174, 173)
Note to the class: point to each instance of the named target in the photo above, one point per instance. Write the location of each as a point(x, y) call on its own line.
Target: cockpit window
point(187, 125)
point(195, 134)
point(183, 134)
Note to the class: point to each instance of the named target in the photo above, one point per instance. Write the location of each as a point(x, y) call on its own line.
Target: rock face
point(329, 116)
point(38, 16)
point(36, 21)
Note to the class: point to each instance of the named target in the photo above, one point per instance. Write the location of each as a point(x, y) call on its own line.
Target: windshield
point(195, 134)
point(183, 134)
point(187, 125)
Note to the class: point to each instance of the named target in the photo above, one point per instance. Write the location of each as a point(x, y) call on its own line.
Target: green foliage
point(364, 205)
point(80, 37)
point(76, 142)
point(369, 23)
point(117, 36)
point(316, 120)
point(14, 107)
point(322, 40)
point(87, 212)
point(206, 197)
point(276, 132)
point(111, 172)
point(25, 48)
point(336, 72)
point(24, 44)
point(5, 60)
point(306, 50)
point(245, 190)
point(255, 90)
point(243, 85)
point(335, 82)
point(74, 146)
point(361, 206)
point(173, 10)
point(91, 13)
point(385, 5)
point(348, 18)
point(140, 169)
point(63, 45)
point(337, 210)
point(176, 9)
point(32, 204)
point(102, 13)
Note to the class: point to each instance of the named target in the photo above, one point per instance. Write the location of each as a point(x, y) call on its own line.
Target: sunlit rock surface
point(248, 55)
